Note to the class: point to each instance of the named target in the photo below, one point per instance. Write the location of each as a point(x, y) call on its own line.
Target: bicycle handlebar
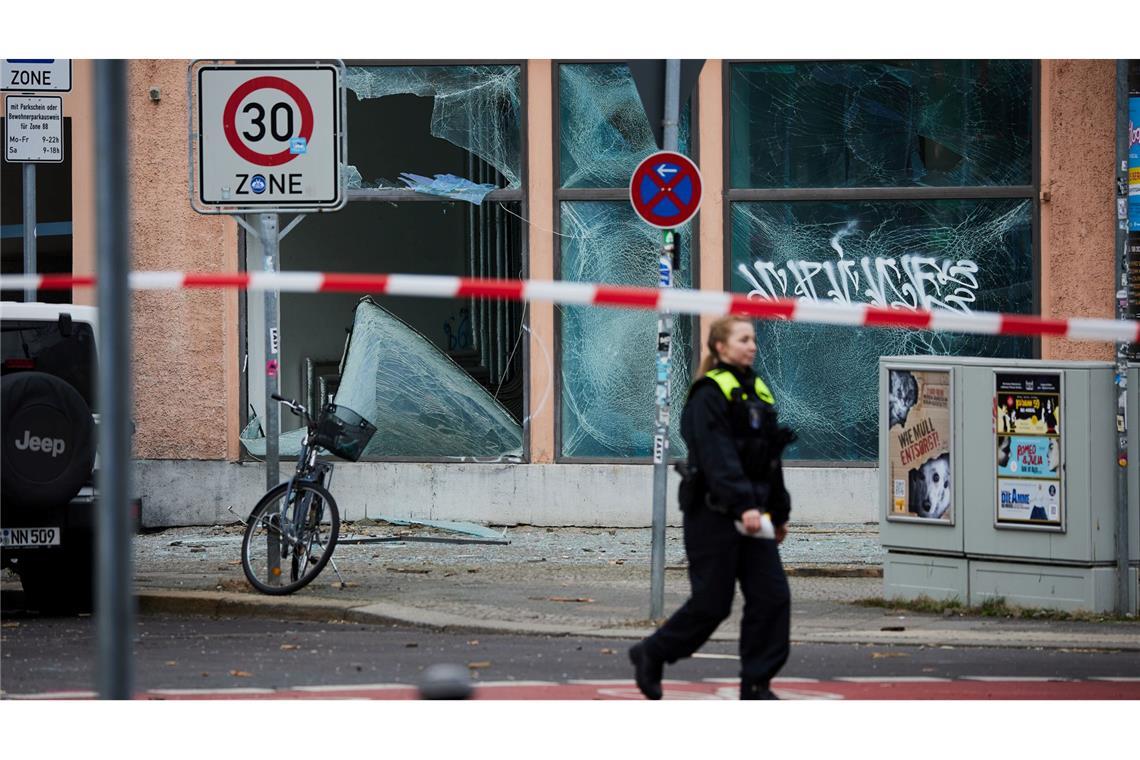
point(294, 406)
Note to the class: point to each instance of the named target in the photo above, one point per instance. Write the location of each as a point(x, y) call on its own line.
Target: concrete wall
point(1078, 209)
point(539, 262)
point(185, 367)
point(202, 493)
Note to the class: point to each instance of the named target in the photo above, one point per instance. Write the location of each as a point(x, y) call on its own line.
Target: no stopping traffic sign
point(269, 138)
point(665, 189)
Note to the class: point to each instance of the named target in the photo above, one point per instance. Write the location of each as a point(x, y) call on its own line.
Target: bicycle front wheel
point(289, 538)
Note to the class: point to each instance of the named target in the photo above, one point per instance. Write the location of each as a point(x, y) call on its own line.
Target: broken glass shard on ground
point(447, 186)
point(422, 403)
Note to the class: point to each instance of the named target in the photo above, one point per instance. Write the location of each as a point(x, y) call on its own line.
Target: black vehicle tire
point(59, 585)
point(48, 440)
point(298, 567)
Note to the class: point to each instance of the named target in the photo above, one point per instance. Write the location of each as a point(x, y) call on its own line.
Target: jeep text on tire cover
point(54, 445)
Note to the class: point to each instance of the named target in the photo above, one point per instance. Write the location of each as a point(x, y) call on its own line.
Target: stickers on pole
point(269, 138)
point(665, 190)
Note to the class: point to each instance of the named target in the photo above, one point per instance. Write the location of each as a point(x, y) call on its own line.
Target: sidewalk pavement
point(570, 581)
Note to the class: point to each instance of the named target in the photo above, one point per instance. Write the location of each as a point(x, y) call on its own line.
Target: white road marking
point(1034, 679)
point(601, 682)
point(362, 687)
point(57, 695)
point(893, 679)
point(209, 692)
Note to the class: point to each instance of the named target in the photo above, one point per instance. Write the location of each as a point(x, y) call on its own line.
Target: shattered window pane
point(604, 131)
point(478, 338)
point(860, 124)
point(453, 132)
point(609, 356)
point(966, 255)
point(477, 109)
point(422, 402)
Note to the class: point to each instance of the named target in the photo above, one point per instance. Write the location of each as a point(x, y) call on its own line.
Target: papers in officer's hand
point(767, 530)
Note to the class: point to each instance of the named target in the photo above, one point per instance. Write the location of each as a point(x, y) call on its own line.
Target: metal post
point(114, 604)
point(29, 227)
point(1128, 253)
point(664, 354)
point(269, 247)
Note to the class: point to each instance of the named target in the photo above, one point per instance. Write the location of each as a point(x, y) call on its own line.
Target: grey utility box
point(1134, 482)
point(998, 480)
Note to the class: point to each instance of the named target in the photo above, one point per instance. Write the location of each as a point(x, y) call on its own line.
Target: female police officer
point(732, 487)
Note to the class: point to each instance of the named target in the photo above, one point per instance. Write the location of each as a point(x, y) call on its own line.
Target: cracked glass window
point(877, 124)
point(423, 402)
point(604, 131)
point(609, 356)
point(436, 157)
point(477, 109)
point(965, 255)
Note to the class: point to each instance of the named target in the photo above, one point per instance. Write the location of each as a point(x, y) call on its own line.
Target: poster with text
point(1028, 403)
point(1033, 502)
point(918, 428)
point(1020, 456)
point(1028, 455)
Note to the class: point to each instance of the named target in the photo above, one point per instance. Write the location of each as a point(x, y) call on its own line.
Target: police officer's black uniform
point(729, 424)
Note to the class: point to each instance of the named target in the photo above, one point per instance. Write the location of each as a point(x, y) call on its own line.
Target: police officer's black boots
point(750, 688)
point(647, 671)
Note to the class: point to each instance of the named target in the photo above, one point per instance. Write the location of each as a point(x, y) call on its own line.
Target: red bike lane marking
point(798, 689)
point(698, 690)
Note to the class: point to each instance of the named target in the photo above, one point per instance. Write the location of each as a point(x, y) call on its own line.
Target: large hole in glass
point(440, 378)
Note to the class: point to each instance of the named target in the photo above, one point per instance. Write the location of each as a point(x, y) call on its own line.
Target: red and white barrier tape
point(676, 300)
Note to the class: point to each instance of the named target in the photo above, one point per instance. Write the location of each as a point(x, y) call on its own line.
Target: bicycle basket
point(343, 432)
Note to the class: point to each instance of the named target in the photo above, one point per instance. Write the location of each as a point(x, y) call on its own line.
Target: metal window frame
point(1031, 192)
point(605, 194)
point(408, 195)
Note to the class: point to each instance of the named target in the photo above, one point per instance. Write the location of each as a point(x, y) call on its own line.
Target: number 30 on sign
point(270, 138)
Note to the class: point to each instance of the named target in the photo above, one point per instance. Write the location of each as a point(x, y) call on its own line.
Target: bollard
point(446, 681)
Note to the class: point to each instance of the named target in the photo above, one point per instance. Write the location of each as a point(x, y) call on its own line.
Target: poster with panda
point(919, 434)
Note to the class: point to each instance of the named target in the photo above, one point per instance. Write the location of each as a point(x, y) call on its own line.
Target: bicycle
point(292, 531)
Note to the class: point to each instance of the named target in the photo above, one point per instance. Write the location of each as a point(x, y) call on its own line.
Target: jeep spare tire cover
point(48, 440)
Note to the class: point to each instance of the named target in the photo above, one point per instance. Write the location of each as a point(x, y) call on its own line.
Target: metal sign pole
point(114, 610)
point(29, 227)
point(664, 354)
point(269, 249)
point(1128, 219)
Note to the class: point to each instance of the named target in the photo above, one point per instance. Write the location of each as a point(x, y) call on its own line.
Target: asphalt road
point(216, 655)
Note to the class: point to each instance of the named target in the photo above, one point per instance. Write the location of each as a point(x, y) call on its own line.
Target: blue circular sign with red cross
point(666, 189)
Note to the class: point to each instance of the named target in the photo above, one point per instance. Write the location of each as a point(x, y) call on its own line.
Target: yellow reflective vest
point(728, 383)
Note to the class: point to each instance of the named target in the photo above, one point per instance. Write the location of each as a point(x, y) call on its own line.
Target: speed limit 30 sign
point(269, 138)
